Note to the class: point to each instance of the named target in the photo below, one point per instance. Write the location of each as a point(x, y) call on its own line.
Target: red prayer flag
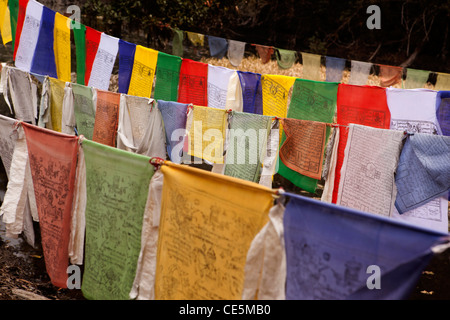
point(53, 161)
point(193, 83)
point(92, 42)
point(106, 118)
point(364, 105)
point(390, 75)
point(20, 20)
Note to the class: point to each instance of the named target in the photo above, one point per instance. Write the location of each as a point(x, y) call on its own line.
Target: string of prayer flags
point(13, 6)
point(236, 50)
point(311, 66)
point(30, 32)
point(359, 72)
point(199, 257)
point(92, 43)
point(126, 61)
point(415, 78)
point(174, 116)
point(62, 48)
point(45, 46)
point(141, 83)
point(264, 52)
point(140, 128)
point(218, 80)
point(246, 145)
point(79, 35)
point(5, 22)
point(320, 268)
point(207, 134)
point(167, 77)
point(442, 82)
point(21, 12)
point(218, 47)
point(106, 118)
point(251, 92)
point(303, 149)
point(365, 105)
point(285, 58)
point(193, 85)
point(390, 75)
point(104, 62)
point(443, 111)
point(117, 184)
point(423, 172)
point(84, 109)
point(334, 69)
point(367, 174)
point(53, 161)
point(177, 42)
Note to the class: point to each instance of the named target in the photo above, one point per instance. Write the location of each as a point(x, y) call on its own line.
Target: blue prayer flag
point(251, 92)
point(126, 61)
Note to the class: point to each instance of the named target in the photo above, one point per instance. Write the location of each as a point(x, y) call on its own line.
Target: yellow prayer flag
point(62, 47)
point(144, 67)
point(5, 22)
point(442, 82)
point(207, 133)
point(207, 224)
point(56, 103)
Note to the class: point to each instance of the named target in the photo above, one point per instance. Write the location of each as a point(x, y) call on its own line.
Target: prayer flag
point(416, 78)
point(5, 22)
point(285, 58)
point(84, 109)
point(265, 53)
point(311, 66)
point(13, 6)
point(126, 59)
point(218, 80)
point(106, 118)
point(218, 47)
point(141, 83)
point(390, 75)
point(21, 12)
point(62, 48)
point(79, 35)
point(167, 77)
point(443, 111)
point(359, 73)
point(177, 42)
point(193, 85)
point(442, 82)
point(334, 69)
point(236, 50)
point(92, 43)
point(251, 92)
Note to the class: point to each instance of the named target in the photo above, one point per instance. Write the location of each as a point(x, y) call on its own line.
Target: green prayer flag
point(14, 15)
point(177, 42)
point(416, 78)
point(313, 101)
point(117, 184)
point(167, 77)
point(84, 109)
point(286, 58)
point(248, 136)
point(80, 46)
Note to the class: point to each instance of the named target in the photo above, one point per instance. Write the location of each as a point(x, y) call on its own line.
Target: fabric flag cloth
point(236, 50)
point(246, 145)
point(416, 79)
point(234, 97)
point(313, 101)
point(193, 85)
point(117, 185)
point(24, 100)
point(56, 100)
point(196, 39)
point(104, 62)
point(8, 138)
point(126, 61)
point(285, 58)
point(79, 35)
point(5, 22)
point(212, 265)
point(167, 77)
point(21, 13)
point(141, 83)
point(177, 42)
point(334, 69)
point(53, 161)
point(423, 171)
point(106, 118)
point(45, 46)
point(218, 47)
point(174, 116)
point(390, 75)
point(367, 174)
point(251, 92)
point(62, 48)
point(443, 111)
point(264, 52)
point(13, 6)
point(303, 149)
point(359, 72)
point(311, 66)
point(321, 268)
point(207, 134)
point(218, 80)
point(275, 92)
point(92, 43)
point(84, 109)
point(30, 33)
point(364, 105)
point(140, 129)
point(442, 82)
point(413, 110)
